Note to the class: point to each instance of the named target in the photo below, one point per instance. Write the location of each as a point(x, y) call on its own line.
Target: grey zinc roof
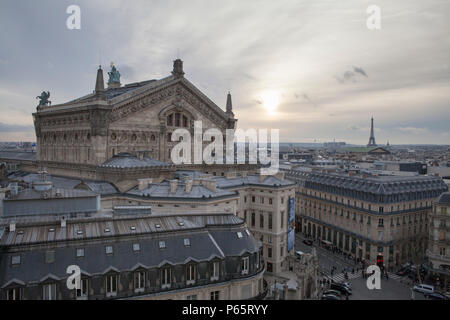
point(126, 160)
point(18, 155)
point(444, 199)
point(269, 181)
point(162, 190)
point(378, 184)
point(100, 187)
point(205, 244)
point(53, 193)
point(58, 182)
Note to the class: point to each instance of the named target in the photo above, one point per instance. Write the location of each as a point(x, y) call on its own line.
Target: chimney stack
point(144, 183)
point(173, 185)
point(188, 183)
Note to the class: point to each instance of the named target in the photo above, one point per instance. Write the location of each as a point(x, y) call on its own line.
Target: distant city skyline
point(311, 68)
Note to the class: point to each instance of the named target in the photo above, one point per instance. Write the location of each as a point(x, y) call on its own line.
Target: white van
point(299, 253)
point(424, 288)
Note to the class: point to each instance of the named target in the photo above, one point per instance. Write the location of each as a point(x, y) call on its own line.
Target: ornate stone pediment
point(179, 94)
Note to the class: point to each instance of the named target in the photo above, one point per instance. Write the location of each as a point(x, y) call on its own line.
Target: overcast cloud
point(328, 71)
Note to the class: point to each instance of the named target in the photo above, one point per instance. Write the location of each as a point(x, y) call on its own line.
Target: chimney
point(209, 184)
point(144, 183)
point(12, 226)
point(188, 183)
point(173, 185)
point(100, 85)
point(230, 174)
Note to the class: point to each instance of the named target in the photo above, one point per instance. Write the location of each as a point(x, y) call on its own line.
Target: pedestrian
point(412, 294)
point(387, 277)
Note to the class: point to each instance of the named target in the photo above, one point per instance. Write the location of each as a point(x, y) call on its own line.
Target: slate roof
point(126, 160)
point(58, 182)
point(205, 244)
point(251, 180)
point(162, 190)
point(378, 184)
point(18, 155)
point(444, 199)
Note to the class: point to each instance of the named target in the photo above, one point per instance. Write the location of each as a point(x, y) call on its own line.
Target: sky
point(311, 68)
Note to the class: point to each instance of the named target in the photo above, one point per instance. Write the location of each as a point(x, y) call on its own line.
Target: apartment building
point(367, 216)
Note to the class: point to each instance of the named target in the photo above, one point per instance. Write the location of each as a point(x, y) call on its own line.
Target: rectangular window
point(270, 221)
point(270, 200)
point(253, 219)
point(49, 291)
point(380, 222)
point(13, 294)
point(139, 281)
point(269, 252)
point(111, 285)
point(190, 274)
point(82, 293)
point(15, 260)
point(166, 278)
point(244, 265)
point(177, 119)
point(282, 219)
point(49, 256)
point(253, 198)
point(191, 297)
point(80, 252)
point(215, 271)
point(215, 295)
point(261, 220)
point(109, 250)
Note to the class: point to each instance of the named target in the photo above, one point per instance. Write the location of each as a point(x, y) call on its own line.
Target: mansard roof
point(382, 185)
point(205, 244)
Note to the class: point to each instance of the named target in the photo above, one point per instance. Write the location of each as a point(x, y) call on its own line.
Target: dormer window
point(109, 250)
point(107, 230)
point(239, 234)
point(244, 265)
point(15, 260)
point(190, 274)
point(162, 244)
point(187, 242)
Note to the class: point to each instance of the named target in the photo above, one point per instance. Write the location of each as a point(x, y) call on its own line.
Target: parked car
point(347, 284)
point(424, 288)
point(447, 295)
point(333, 292)
point(436, 296)
point(341, 288)
point(330, 297)
point(308, 242)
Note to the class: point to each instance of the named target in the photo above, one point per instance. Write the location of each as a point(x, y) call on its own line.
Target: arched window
point(177, 119)
point(153, 138)
point(170, 120)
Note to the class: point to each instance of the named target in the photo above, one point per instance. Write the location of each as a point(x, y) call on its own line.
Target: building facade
point(439, 238)
point(138, 118)
point(129, 256)
point(367, 216)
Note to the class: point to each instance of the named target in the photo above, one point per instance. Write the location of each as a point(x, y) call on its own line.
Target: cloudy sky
point(311, 68)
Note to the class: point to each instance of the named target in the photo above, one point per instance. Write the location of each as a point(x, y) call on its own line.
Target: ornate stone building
point(136, 118)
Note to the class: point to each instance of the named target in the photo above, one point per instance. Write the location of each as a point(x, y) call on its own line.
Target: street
point(395, 288)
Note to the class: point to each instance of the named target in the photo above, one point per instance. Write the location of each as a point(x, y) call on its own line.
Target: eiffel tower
point(372, 136)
